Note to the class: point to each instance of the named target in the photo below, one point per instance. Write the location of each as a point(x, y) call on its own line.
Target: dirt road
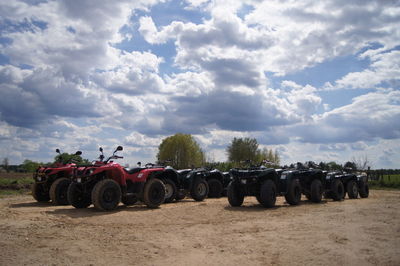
point(351, 232)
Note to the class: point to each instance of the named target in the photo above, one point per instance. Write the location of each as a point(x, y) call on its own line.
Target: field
point(15, 183)
point(389, 181)
point(351, 232)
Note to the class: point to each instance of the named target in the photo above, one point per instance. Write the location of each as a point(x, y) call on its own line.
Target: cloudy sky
point(315, 80)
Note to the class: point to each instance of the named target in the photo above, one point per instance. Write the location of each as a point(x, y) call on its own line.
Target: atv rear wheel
point(293, 195)
point(59, 191)
point(337, 190)
point(235, 196)
point(268, 194)
point(316, 191)
point(364, 190)
point(215, 187)
point(352, 189)
point(39, 193)
point(77, 198)
point(154, 193)
point(106, 195)
point(170, 191)
point(199, 190)
point(180, 195)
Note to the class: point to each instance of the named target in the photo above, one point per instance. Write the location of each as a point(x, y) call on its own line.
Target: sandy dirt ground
point(351, 232)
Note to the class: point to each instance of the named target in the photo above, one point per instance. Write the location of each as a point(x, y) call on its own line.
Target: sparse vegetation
point(386, 181)
point(15, 183)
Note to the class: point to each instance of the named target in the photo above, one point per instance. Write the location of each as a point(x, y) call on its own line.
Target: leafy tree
point(334, 166)
point(222, 166)
point(277, 158)
point(30, 166)
point(323, 166)
point(268, 155)
point(243, 149)
point(182, 151)
point(350, 165)
point(65, 158)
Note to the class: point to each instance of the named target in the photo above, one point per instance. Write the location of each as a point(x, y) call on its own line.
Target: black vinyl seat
point(133, 170)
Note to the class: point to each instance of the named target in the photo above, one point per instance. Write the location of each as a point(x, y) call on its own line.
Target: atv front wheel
point(154, 193)
point(268, 194)
point(77, 198)
point(364, 190)
point(170, 191)
point(59, 191)
point(180, 195)
point(39, 193)
point(235, 196)
point(199, 190)
point(215, 187)
point(316, 191)
point(106, 195)
point(293, 195)
point(352, 189)
point(337, 190)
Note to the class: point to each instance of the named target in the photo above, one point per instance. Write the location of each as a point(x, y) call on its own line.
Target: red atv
point(51, 182)
point(107, 183)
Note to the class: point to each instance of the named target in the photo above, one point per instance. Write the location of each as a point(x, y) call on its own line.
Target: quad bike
point(191, 182)
point(106, 183)
point(263, 183)
point(311, 180)
point(355, 184)
point(51, 182)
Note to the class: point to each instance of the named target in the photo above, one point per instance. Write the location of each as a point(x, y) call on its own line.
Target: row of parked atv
point(267, 183)
point(104, 183)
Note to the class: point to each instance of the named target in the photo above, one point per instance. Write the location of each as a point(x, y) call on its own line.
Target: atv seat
point(133, 170)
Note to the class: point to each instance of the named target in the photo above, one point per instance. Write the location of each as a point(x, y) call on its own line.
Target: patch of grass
point(21, 181)
point(16, 184)
point(388, 181)
point(12, 192)
point(15, 175)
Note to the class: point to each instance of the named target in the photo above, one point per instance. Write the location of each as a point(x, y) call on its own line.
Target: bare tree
point(6, 164)
point(362, 162)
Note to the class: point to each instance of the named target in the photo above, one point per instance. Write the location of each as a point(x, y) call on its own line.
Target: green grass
point(388, 181)
point(12, 192)
point(15, 184)
point(18, 181)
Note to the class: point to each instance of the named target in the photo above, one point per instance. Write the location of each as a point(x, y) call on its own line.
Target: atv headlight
point(90, 171)
point(328, 177)
point(79, 180)
point(283, 176)
point(243, 181)
point(140, 175)
point(39, 178)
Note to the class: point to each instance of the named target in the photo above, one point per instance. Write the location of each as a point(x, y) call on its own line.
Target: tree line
point(182, 151)
point(30, 166)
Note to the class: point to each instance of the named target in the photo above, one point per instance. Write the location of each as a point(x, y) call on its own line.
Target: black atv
point(263, 183)
point(191, 182)
point(334, 188)
point(311, 180)
point(339, 183)
point(216, 182)
point(355, 184)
